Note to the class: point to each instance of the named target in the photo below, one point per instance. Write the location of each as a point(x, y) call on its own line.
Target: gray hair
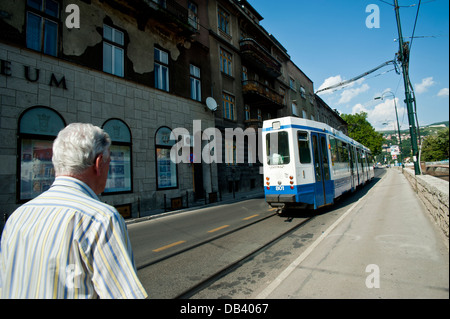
point(77, 146)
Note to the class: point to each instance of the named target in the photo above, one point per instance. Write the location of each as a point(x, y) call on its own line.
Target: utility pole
point(403, 57)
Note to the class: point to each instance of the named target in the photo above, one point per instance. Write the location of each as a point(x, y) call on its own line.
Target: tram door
point(323, 185)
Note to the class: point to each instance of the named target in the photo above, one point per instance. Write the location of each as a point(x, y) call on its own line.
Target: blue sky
point(330, 42)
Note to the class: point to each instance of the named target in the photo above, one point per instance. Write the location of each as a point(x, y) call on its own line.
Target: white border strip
point(274, 284)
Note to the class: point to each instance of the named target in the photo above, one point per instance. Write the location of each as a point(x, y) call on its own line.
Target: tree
point(436, 148)
point(363, 132)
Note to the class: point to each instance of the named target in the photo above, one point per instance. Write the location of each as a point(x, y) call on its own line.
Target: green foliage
point(436, 147)
point(362, 131)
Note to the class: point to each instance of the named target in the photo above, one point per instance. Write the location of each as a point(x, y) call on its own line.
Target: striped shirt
point(65, 243)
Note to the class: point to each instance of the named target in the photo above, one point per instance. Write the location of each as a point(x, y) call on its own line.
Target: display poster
point(36, 169)
point(166, 169)
point(119, 176)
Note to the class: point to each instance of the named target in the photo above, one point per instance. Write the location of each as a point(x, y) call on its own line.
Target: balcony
point(257, 56)
point(254, 123)
point(258, 93)
point(170, 13)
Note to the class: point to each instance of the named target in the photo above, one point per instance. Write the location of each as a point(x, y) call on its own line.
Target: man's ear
point(98, 164)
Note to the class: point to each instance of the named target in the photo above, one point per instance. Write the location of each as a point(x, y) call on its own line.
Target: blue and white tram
point(309, 164)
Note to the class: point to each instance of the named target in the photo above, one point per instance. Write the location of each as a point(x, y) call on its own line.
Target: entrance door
point(323, 186)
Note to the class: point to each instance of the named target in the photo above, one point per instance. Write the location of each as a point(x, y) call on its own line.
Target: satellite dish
point(211, 104)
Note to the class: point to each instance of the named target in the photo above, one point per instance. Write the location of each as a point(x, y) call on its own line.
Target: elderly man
point(65, 243)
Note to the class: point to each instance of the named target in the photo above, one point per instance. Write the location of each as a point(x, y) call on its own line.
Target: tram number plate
point(279, 188)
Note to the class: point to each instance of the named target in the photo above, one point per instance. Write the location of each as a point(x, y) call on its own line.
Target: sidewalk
point(384, 246)
point(226, 199)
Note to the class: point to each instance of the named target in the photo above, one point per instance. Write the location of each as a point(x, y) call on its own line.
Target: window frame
point(115, 46)
point(43, 18)
point(229, 106)
point(124, 142)
point(302, 147)
point(164, 144)
point(226, 62)
point(195, 83)
point(193, 18)
point(224, 21)
point(162, 66)
point(36, 133)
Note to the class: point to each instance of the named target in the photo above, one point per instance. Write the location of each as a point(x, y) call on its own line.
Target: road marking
point(272, 209)
point(250, 217)
point(169, 246)
point(219, 228)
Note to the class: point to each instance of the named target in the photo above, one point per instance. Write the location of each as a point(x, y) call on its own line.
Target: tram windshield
point(277, 145)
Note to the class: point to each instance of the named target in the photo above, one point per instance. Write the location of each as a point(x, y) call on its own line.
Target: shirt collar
point(67, 181)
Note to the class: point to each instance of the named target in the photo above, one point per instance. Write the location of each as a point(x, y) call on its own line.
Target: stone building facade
point(141, 69)
point(137, 70)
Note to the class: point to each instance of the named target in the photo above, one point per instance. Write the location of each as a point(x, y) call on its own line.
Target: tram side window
point(344, 153)
point(303, 148)
point(277, 145)
point(334, 151)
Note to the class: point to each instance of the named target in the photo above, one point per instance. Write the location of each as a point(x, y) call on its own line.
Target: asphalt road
point(177, 252)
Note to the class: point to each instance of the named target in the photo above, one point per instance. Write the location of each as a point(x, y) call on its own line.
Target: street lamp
point(398, 125)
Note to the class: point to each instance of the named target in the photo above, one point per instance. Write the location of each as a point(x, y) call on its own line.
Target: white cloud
point(349, 94)
point(443, 92)
point(346, 93)
point(332, 80)
point(382, 116)
point(423, 87)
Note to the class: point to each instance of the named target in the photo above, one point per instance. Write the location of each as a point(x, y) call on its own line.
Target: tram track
point(204, 242)
point(182, 274)
point(186, 272)
point(205, 283)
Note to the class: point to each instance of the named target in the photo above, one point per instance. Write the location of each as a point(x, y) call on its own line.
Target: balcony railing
point(258, 92)
point(257, 55)
point(173, 11)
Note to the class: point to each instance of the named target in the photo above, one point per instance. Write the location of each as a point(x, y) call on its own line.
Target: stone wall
point(433, 192)
point(94, 97)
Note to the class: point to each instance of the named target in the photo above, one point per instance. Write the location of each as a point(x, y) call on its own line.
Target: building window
point(283, 94)
point(113, 51)
point(304, 114)
point(302, 92)
point(292, 84)
point(161, 70)
point(247, 112)
point(196, 85)
point(229, 107)
point(38, 128)
point(295, 109)
point(166, 169)
point(120, 175)
point(42, 26)
point(230, 152)
point(224, 21)
point(226, 62)
point(244, 75)
point(161, 3)
point(193, 15)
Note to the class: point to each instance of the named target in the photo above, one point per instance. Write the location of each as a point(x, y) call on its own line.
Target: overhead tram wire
point(360, 76)
point(415, 23)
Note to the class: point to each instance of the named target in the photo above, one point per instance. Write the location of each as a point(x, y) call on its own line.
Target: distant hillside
point(439, 123)
point(424, 130)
